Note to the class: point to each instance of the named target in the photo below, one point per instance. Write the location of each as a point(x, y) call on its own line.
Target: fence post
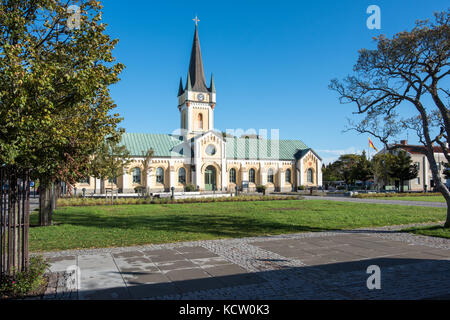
point(14, 220)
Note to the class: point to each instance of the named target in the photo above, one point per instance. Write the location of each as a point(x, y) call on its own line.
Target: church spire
point(196, 70)
point(180, 89)
point(212, 88)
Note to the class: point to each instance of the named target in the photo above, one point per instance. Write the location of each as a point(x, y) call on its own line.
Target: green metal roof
point(164, 145)
point(260, 149)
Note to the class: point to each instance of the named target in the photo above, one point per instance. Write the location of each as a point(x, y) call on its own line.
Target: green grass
point(435, 231)
point(113, 226)
point(413, 198)
point(426, 197)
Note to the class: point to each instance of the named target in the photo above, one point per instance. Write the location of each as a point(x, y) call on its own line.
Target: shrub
point(301, 188)
point(190, 188)
point(261, 189)
point(25, 283)
point(138, 201)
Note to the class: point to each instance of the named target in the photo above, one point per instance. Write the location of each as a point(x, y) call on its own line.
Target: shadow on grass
point(220, 225)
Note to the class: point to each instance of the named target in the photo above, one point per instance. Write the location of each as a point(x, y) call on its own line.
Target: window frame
point(254, 176)
point(286, 176)
point(182, 169)
point(310, 175)
point(232, 175)
point(160, 177)
point(270, 176)
point(135, 175)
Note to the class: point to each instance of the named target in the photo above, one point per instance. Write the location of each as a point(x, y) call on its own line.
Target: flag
point(372, 145)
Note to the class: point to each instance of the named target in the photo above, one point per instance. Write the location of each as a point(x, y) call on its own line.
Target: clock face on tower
point(201, 97)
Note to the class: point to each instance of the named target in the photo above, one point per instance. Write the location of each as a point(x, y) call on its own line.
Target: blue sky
point(272, 62)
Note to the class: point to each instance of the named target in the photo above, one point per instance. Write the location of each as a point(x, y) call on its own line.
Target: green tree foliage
point(363, 170)
point(381, 164)
point(54, 99)
point(349, 168)
point(55, 105)
point(402, 169)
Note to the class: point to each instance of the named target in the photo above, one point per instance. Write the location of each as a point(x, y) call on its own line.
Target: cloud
point(329, 156)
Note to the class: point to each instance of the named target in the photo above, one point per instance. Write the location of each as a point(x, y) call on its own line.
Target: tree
point(402, 168)
point(331, 173)
point(381, 165)
point(55, 105)
point(408, 72)
point(363, 169)
point(109, 160)
point(148, 156)
point(346, 165)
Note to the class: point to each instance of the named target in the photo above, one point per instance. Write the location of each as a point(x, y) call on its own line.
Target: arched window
point(233, 175)
point(182, 175)
point(136, 175)
point(270, 176)
point(252, 176)
point(160, 175)
point(310, 176)
point(288, 175)
point(200, 121)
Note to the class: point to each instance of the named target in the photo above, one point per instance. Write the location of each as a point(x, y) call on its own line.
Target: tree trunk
point(447, 222)
point(46, 205)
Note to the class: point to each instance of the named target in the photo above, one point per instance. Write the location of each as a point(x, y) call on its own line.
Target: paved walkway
point(325, 265)
point(379, 201)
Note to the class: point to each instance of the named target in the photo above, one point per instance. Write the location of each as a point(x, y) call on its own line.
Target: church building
point(207, 159)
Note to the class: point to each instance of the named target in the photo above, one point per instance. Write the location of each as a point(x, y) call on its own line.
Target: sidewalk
point(325, 265)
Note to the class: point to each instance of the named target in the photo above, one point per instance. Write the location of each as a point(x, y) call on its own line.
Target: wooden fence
point(14, 220)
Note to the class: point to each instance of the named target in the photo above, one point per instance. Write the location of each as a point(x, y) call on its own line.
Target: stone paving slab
point(324, 265)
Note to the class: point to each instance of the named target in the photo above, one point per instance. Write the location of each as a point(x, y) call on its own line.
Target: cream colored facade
point(424, 180)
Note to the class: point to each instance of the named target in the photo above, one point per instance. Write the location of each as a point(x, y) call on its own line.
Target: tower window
point(200, 121)
point(233, 175)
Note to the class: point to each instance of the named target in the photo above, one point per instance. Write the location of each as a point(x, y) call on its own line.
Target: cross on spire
point(196, 20)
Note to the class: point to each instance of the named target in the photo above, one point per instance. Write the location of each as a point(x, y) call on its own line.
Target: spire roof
point(196, 70)
point(180, 89)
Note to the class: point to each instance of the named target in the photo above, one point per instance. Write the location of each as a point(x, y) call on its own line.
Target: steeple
point(196, 70)
point(212, 88)
point(180, 89)
point(189, 83)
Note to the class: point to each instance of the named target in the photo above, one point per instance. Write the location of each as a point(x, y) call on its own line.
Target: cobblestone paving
point(323, 265)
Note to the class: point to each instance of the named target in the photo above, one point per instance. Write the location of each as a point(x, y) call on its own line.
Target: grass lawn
point(114, 226)
point(436, 231)
point(413, 198)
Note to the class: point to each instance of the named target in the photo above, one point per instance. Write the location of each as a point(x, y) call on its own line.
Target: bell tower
point(196, 101)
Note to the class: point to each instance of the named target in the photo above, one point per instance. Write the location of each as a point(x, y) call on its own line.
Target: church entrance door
point(210, 178)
